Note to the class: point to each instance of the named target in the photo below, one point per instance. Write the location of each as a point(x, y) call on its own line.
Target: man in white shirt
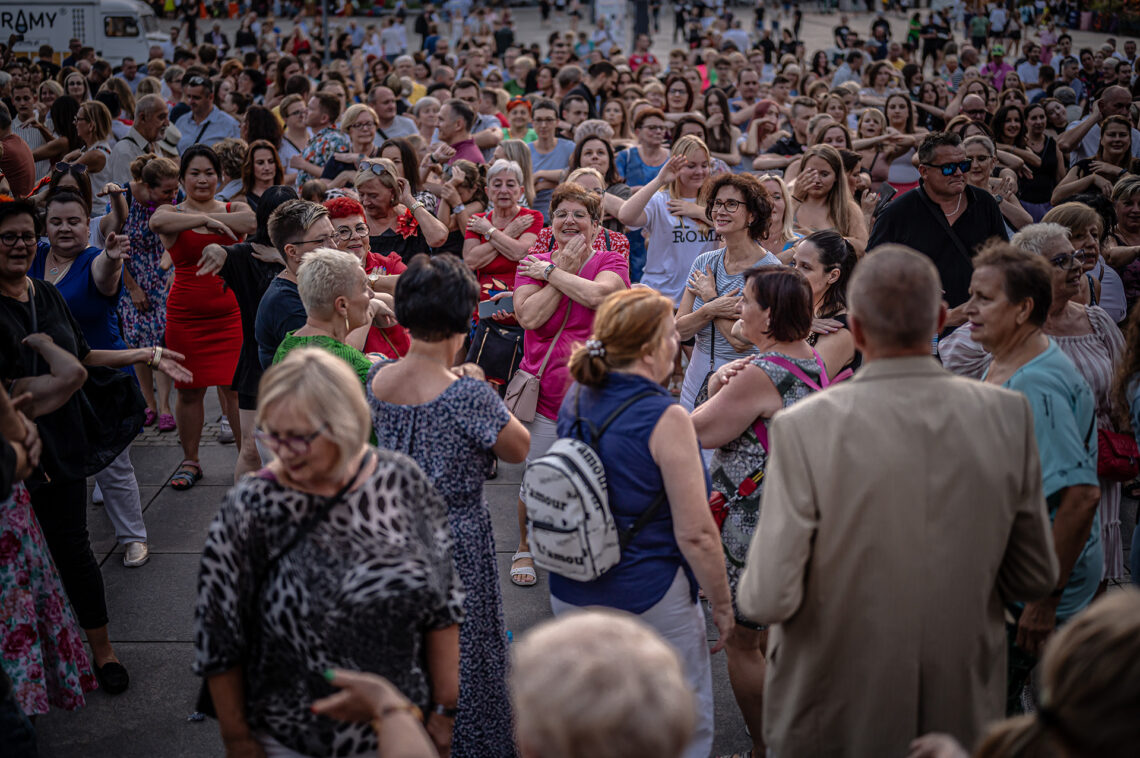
point(1082, 137)
point(1029, 70)
point(151, 120)
point(23, 126)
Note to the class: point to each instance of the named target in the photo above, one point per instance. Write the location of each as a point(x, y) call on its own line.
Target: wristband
point(416, 206)
point(546, 273)
point(442, 710)
point(458, 208)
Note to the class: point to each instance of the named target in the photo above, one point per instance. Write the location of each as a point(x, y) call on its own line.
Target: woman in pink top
point(556, 296)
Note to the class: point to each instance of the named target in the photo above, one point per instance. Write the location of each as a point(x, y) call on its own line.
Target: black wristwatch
point(443, 710)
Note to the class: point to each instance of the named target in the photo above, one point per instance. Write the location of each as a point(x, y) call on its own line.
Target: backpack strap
point(758, 426)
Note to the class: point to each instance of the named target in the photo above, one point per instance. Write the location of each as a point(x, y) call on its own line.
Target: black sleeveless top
point(1040, 188)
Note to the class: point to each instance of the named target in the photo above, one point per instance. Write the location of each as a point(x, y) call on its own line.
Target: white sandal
point(523, 571)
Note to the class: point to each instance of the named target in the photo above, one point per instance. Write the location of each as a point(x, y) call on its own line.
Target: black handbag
point(205, 701)
point(497, 349)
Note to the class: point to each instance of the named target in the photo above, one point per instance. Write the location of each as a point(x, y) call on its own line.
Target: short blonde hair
point(600, 683)
point(324, 275)
point(326, 391)
point(586, 171)
point(353, 114)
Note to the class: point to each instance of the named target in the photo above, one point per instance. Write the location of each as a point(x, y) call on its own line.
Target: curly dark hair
point(611, 176)
point(756, 200)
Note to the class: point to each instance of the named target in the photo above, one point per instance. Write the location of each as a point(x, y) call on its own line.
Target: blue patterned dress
point(140, 329)
point(451, 438)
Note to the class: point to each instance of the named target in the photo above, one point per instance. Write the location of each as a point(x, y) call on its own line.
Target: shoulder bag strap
point(758, 427)
point(553, 342)
point(202, 131)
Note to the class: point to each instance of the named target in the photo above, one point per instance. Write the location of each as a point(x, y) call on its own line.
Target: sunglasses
point(78, 168)
point(948, 169)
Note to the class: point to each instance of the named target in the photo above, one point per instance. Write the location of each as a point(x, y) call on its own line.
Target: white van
point(117, 29)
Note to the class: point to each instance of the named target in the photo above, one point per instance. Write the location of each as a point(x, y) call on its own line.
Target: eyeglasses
point(362, 125)
point(729, 205)
point(976, 113)
point(377, 168)
point(78, 168)
point(196, 81)
point(327, 239)
point(300, 444)
point(948, 169)
point(11, 238)
point(344, 233)
point(298, 112)
point(545, 121)
point(1070, 261)
point(578, 215)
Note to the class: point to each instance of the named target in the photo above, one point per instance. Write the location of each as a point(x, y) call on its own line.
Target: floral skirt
point(41, 648)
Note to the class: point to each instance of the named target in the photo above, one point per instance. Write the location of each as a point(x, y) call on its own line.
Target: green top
point(349, 354)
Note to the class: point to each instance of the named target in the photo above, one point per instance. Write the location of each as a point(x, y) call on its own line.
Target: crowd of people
point(455, 247)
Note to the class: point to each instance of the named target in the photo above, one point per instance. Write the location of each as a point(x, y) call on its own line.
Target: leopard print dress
point(359, 591)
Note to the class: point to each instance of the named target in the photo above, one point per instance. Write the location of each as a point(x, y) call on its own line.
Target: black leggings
point(61, 507)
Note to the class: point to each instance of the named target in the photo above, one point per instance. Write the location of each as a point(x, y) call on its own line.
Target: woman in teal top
point(1010, 295)
point(339, 306)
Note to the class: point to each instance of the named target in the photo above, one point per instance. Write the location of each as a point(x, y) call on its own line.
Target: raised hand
point(118, 247)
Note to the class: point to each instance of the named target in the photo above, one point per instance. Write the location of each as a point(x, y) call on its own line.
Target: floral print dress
point(41, 648)
point(146, 251)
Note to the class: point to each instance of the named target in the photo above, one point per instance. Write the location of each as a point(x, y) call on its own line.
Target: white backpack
point(572, 532)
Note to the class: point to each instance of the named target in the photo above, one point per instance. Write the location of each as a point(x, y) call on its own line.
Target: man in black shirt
point(943, 218)
point(600, 78)
point(841, 33)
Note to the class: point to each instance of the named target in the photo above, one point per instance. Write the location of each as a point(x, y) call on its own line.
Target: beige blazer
point(900, 511)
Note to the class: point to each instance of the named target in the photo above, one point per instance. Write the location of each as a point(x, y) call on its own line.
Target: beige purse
point(521, 397)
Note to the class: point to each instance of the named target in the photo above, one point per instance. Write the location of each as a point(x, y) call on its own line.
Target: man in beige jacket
point(901, 511)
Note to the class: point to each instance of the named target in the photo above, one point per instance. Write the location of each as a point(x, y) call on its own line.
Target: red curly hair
point(343, 207)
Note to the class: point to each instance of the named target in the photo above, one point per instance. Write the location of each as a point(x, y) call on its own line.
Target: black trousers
point(61, 507)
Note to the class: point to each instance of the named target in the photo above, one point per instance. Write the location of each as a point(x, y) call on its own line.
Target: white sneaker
point(225, 432)
point(137, 554)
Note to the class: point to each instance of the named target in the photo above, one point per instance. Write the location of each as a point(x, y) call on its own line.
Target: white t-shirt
point(672, 243)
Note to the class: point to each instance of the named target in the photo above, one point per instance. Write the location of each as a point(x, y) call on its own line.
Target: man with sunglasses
point(943, 218)
point(204, 123)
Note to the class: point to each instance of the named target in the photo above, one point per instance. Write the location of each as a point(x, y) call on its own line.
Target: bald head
point(974, 106)
point(895, 295)
point(1114, 101)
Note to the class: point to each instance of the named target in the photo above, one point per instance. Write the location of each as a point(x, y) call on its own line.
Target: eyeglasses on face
point(300, 444)
point(1069, 261)
point(729, 205)
point(538, 121)
point(948, 169)
point(344, 233)
point(362, 125)
point(298, 112)
point(10, 239)
point(326, 240)
point(576, 215)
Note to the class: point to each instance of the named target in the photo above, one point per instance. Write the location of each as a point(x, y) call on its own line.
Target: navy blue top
point(280, 311)
point(95, 312)
point(650, 561)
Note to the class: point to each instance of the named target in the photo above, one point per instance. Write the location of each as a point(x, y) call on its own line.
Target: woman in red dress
point(201, 314)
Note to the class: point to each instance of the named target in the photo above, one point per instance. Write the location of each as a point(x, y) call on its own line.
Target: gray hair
point(291, 220)
point(1034, 238)
point(593, 127)
point(424, 102)
point(983, 140)
point(501, 165)
point(324, 275)
point(896, 295)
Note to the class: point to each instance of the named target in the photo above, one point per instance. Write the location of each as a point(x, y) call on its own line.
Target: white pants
point(681, 623)
point(121, 498)
point(695, 376)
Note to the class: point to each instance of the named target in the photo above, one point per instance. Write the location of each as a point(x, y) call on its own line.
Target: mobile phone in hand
point(503, 304)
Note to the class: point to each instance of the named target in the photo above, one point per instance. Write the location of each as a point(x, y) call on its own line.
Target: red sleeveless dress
point(202, 318)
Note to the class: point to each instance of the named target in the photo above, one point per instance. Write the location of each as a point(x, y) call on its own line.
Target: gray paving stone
point(176, 522)
point(154, 603)
point(146, 721)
